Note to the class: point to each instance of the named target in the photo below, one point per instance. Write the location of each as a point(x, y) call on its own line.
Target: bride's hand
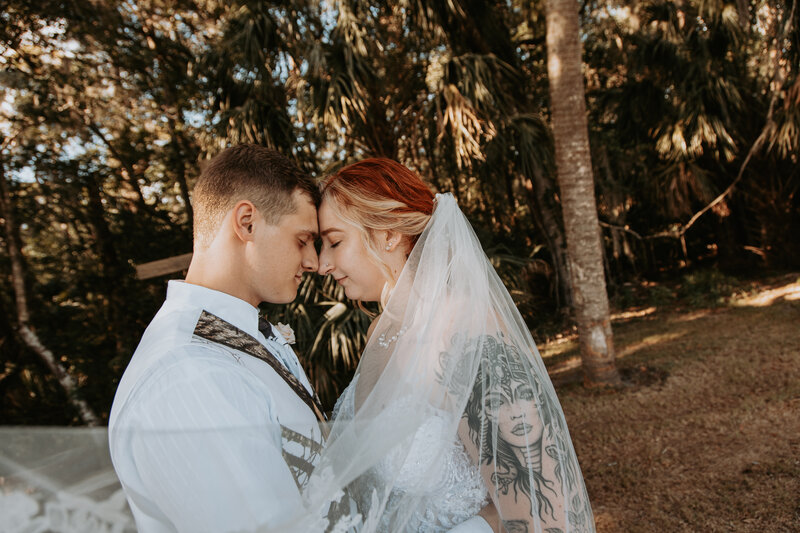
point(492, 517)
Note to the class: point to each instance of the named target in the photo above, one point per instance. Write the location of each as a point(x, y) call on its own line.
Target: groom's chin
point(285, 297)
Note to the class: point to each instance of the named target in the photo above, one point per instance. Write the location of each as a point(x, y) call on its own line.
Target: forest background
point(110, 108)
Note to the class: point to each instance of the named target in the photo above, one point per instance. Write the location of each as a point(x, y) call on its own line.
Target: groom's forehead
point(304, 218)
point(302, 226)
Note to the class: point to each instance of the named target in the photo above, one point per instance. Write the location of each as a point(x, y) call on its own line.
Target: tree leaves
point(109, 109)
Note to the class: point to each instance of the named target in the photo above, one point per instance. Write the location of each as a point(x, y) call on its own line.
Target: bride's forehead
point(331, 220)
point(326, 210)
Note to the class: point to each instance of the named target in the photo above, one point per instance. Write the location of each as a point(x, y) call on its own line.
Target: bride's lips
point(521, 429)
point(340, 280)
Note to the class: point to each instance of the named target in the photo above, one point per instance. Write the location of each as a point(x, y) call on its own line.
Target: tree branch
point(24, 328)
point(758, 142)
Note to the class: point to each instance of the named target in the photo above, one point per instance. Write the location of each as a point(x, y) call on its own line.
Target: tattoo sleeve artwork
point(515, 526)
point(520, 434)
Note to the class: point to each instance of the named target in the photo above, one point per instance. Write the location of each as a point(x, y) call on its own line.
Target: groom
point(214, 425)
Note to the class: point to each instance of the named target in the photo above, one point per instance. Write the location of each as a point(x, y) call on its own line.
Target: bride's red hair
point(380, 179)
point(379, 194)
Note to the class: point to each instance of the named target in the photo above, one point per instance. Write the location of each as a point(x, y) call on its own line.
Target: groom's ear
point(244, 216)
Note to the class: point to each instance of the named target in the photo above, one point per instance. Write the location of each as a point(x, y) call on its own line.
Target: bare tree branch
point(24, 328)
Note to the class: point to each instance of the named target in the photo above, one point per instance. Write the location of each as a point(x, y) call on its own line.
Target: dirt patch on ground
point(706, 434)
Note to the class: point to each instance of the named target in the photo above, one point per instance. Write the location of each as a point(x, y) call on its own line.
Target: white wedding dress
point(457, 492)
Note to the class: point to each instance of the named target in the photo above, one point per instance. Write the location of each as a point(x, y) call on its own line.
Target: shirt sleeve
point(207, 448)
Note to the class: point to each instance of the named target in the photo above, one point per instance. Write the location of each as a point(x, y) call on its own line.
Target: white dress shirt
point(197, 430)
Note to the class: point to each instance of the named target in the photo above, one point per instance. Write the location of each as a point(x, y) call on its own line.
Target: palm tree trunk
point(576, 184)
point(25, 330)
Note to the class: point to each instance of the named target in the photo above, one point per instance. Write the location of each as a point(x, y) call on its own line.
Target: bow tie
point(266, 328)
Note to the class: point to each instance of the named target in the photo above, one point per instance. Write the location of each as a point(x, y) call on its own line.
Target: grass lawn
point(706, 435)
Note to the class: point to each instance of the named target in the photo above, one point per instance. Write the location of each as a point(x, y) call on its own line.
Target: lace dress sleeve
point(345, 406)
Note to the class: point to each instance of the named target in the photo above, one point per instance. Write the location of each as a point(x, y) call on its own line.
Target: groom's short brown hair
point(247, 172)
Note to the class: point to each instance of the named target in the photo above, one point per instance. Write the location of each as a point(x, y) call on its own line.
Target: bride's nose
point(325, 266)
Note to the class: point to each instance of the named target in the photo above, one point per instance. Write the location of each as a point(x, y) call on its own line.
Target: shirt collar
point(229, 308)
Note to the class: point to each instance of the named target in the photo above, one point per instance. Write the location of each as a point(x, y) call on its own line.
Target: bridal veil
point(450, 359)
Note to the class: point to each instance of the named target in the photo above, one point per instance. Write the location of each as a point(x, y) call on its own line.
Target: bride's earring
point(389, 245)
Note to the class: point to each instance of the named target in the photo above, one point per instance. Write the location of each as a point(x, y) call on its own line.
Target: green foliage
point(660, 295)
point(706, 288)
point(110, 108)
point(644, 295)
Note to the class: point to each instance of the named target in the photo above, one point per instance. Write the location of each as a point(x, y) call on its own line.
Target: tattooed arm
point(512, 430)
point(515, 509)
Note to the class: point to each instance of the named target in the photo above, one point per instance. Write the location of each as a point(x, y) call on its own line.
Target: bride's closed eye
point(335, 244)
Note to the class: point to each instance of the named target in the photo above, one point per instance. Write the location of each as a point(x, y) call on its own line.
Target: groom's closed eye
point(305, 237)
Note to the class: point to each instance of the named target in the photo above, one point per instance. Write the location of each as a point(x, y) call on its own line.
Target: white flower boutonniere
point(286, 332)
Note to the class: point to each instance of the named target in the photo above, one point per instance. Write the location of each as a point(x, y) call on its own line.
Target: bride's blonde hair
point(379, 194)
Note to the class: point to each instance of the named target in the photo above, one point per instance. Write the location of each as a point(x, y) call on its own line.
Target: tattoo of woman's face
point(515, 412)
point(511, 399)
point(515, 425)
point(507, 415)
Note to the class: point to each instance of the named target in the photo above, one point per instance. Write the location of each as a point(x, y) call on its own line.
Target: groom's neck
point(220, 271)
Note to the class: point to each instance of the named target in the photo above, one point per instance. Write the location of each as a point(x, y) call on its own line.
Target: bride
point(451, 407)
